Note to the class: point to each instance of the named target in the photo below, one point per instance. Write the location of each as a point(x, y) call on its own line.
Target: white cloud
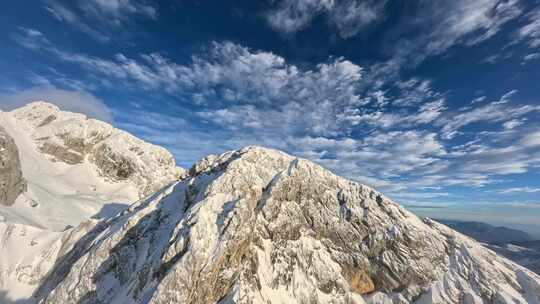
point(326, 113)
point(531, 139)
point(514, 123)
point(511, 155)
point(468, 21)
point(232, 75)
point(99, 18)
point(438, 26)
point(385, 119)
point(120, 9)
point(74, 101)
point(277, 94)
point(417, 197)
point(519, 190)
point(375, 159)
point(428, 112)
point(531, 31)
point(495, 111)
point(349, 16)
point(443, 24)
point(31, 38)
point(67, 15)
point(492, 59)
point(292, 16)
point(530, 57)
point(415, 91)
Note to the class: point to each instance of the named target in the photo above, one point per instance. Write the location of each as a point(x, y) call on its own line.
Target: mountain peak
point(38, 112)
point(257, 225)
point(72, 166)
point(41, 104)
point(248, 153)
point(73, 138)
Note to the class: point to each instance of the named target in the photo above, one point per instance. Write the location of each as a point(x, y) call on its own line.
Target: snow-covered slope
point(74, 166)
point(58, 169)
point(259, 226)
point(27, 254)
point(117, 155)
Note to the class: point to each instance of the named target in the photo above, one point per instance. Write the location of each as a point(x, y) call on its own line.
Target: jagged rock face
point(259, 226)
point(12, 183)
point(73, 138)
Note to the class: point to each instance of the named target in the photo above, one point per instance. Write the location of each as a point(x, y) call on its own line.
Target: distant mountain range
point(487, 233)
point(514, 244)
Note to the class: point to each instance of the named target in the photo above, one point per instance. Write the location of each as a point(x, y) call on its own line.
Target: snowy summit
point(259, 226)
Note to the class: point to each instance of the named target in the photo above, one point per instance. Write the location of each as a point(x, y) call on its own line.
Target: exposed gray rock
point(260, 226)
point(117, 155)
point(12, 182)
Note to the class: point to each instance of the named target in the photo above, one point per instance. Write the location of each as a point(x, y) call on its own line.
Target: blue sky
point(432, 102)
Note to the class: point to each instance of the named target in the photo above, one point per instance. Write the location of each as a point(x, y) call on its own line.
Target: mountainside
point(259, 226)
point(72, 138)
point(73, 166)
point(58, 169)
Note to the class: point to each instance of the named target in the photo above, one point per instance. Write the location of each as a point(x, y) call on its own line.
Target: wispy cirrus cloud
point(389, 137)
point(497, 111)
point(519, 190)
point(468, 22)
point(530, 32)
point(120, 10)
point(348, 17)
point(530, 57)
point(99, 18)
point(64, 14)
point(31, 38)
point(436, 26)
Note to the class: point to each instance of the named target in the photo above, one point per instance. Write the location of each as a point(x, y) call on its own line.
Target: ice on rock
point(57, 170)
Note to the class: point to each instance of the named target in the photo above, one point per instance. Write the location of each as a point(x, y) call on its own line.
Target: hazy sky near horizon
point(521, 217)
point(431, 102)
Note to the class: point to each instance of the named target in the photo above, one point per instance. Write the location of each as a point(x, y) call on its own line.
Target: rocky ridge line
point(117, 155)
point(259, 226)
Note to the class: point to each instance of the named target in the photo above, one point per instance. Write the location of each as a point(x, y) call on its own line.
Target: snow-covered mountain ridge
point(259, 226)
point(73, 138)
point(58, 169)
point(73, 166)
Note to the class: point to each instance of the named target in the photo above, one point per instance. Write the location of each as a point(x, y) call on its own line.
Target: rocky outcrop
point(260, 226)
point(73, 138)
point(12, 182)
